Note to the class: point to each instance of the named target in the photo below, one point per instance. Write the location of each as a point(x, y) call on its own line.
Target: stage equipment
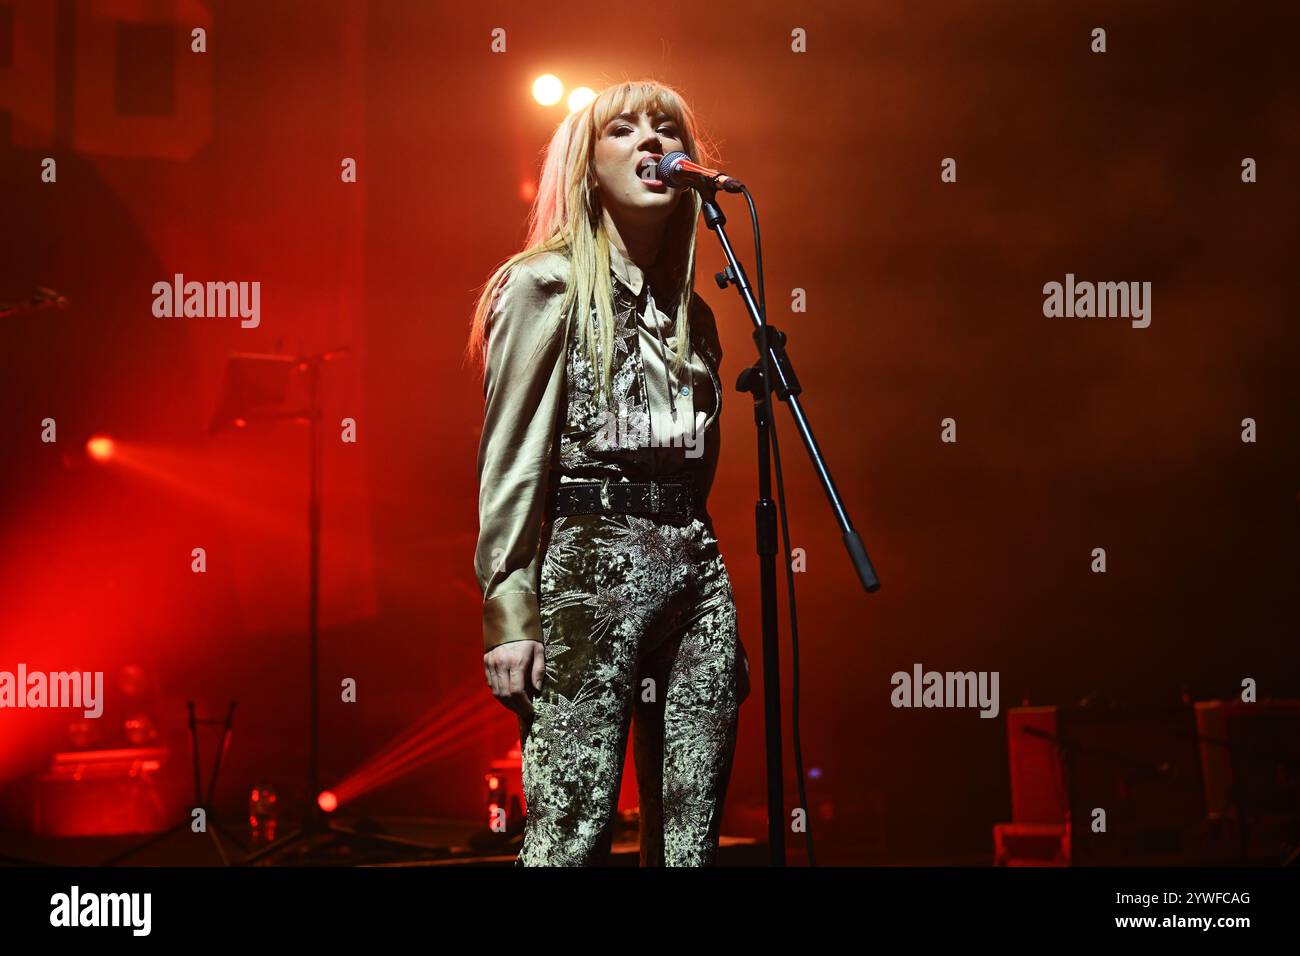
point(255, 390)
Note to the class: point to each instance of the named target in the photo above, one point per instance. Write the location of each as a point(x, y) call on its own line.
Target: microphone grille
point(666, 167)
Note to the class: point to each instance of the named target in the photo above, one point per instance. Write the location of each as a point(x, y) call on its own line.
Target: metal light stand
point(314, 821)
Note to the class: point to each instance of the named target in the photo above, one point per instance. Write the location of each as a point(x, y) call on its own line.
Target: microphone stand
point(773, 358)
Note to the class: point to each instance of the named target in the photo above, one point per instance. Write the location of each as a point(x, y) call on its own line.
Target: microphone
point(677, 169)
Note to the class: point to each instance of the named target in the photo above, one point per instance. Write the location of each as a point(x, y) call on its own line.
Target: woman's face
point(627, 142)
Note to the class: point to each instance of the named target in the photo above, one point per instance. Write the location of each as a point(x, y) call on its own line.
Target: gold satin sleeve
point(523, 387)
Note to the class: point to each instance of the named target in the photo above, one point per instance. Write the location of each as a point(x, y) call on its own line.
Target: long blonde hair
point(566, 217)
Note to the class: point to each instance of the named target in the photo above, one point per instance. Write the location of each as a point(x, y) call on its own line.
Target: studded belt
point(665, 499)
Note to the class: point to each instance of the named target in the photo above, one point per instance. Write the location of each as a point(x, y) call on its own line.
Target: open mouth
point(647, 171)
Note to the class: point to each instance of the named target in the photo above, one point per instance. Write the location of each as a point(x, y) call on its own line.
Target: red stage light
point(100, 448)
point(327, 801)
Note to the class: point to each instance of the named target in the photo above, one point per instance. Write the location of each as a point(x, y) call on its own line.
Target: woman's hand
point(513, 670)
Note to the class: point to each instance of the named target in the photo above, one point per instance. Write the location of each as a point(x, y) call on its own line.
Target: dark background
point(924, 302)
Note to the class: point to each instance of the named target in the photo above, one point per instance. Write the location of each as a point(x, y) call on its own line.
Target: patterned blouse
point(544, 423)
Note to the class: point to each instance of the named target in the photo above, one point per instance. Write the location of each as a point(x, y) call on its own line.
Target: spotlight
point(580, 97)
point(547, 89)
point(327, 801)
point(100, 448)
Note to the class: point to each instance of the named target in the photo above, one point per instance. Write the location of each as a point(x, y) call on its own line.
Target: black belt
point(664, 499)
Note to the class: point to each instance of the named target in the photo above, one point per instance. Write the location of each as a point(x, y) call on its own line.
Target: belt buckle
point(604, 495)
point(654, 497)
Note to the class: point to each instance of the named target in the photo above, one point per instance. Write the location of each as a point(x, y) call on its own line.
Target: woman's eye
point(666, 130)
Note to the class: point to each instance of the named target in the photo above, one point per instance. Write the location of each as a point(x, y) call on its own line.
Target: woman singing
point(604, 592)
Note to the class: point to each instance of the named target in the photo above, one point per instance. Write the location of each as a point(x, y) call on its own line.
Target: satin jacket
point(531, 392)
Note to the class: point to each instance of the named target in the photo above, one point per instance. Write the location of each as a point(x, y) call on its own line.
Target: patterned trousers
point(637, 616)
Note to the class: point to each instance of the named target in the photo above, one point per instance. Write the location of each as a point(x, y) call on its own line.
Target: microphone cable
point(785, 536)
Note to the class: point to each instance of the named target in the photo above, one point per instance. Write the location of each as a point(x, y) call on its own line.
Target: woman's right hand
point(513, 670)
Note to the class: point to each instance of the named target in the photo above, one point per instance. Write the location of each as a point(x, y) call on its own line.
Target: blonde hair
point(566, 217)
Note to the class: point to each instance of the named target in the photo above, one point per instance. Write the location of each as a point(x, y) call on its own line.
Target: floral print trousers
point(637, 616)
